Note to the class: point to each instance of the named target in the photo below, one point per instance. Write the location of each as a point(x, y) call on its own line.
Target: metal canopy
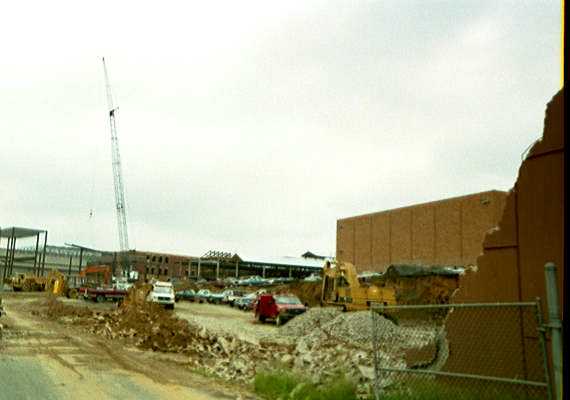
point(16, 232)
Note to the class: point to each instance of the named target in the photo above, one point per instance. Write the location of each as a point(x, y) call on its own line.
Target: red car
point(278, 307)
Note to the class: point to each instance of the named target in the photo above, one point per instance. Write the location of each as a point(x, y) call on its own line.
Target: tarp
point(410, 270)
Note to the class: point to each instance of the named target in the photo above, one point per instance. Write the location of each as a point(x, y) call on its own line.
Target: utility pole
point(120, 204)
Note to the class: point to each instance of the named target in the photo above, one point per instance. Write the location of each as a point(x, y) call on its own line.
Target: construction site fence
point(460, 351)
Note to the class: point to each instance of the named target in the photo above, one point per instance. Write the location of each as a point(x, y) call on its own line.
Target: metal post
point(218, 270)
point(1, 274)
point(13, 253)
point(80, 258)
point(555, 326)
point(199, 268)
point(69, 269)
point(5, 272)
point(263, 272)
point(542, 340)
point(376, 383)
point(44, 254)
point(237, 269)
point(36, 254)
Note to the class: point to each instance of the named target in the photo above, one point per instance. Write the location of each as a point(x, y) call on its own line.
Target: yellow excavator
point(341, 287)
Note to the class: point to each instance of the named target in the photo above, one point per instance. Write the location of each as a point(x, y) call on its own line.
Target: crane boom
point(117, 174)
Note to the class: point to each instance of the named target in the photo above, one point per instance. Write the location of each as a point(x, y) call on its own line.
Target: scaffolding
point(13, 234)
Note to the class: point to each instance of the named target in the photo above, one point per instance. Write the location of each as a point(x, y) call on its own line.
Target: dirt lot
point(52, 360)
point(225, 320)
point(198, 351)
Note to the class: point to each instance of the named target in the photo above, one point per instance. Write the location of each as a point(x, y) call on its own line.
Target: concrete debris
point(323, 341)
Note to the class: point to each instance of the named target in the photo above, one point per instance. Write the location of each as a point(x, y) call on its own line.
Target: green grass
point(284, 385)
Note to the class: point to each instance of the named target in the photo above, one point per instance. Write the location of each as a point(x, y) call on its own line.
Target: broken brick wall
point(530, 234)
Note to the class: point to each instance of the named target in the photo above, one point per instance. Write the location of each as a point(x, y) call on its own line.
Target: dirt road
point(49, 360)
point(226, 320)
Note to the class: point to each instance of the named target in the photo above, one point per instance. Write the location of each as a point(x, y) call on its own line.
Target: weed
point(280, 384)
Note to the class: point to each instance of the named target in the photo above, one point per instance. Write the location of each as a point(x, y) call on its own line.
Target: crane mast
point(117, 177)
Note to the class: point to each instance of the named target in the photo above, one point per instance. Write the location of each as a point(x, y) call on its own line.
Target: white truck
point(162, 293)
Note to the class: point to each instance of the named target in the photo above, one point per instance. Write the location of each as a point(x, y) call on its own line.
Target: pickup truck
point(278, 307)
point(162, 293)
point(101, 294)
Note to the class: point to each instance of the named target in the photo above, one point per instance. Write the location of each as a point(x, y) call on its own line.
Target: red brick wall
point(530, 233)
point(444, 232)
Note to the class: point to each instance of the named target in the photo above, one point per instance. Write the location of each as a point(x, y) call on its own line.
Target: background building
point(448, 231)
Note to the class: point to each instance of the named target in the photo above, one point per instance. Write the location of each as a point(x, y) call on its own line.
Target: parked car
point(278, 307)
point(216, 298)
point(274, 281)
point(313, 278)
point(162, 293)
point(246, 302)
point(186, 294)
point(231, 295)
point(203, 295)
point(253, 281)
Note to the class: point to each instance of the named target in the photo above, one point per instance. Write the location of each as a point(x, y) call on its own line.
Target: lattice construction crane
point(117, 178)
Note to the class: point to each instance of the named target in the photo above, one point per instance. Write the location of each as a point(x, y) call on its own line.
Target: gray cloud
point(253, 128)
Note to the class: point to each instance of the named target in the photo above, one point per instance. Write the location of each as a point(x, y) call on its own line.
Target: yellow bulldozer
point(54, 282)
point(341, 287)
point(28, 283)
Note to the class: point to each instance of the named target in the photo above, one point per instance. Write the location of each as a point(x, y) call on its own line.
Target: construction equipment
point(28, 283)
point(54, 282)
point(58, 285)
point(96, 275)
point(120, 204)
point(341, 287)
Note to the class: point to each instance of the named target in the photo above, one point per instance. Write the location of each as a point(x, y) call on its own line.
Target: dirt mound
point(308, 292)
point(149, 325)
point(54, 309)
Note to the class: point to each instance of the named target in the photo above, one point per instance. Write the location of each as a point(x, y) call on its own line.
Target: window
point(166, 260)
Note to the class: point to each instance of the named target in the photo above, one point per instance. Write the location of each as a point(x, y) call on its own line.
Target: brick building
point(150, 264)
point(449, 231)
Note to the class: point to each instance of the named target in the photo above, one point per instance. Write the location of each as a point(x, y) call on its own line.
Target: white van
point(162, 293)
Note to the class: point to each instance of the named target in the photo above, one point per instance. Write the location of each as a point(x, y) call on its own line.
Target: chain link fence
point(460, 351)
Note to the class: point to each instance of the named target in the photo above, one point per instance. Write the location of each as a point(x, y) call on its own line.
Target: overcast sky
point(252, 127)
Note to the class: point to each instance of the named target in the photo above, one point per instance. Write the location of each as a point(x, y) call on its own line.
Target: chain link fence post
point(555, 326)
point(375, 384)
point(542, 341)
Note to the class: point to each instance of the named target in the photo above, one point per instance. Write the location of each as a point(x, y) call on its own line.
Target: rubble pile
point(324, 341)
point(307, 322)
point(148, 325)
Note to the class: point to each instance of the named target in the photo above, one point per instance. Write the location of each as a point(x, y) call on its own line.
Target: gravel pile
point(306, 323)
point(351, 327)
